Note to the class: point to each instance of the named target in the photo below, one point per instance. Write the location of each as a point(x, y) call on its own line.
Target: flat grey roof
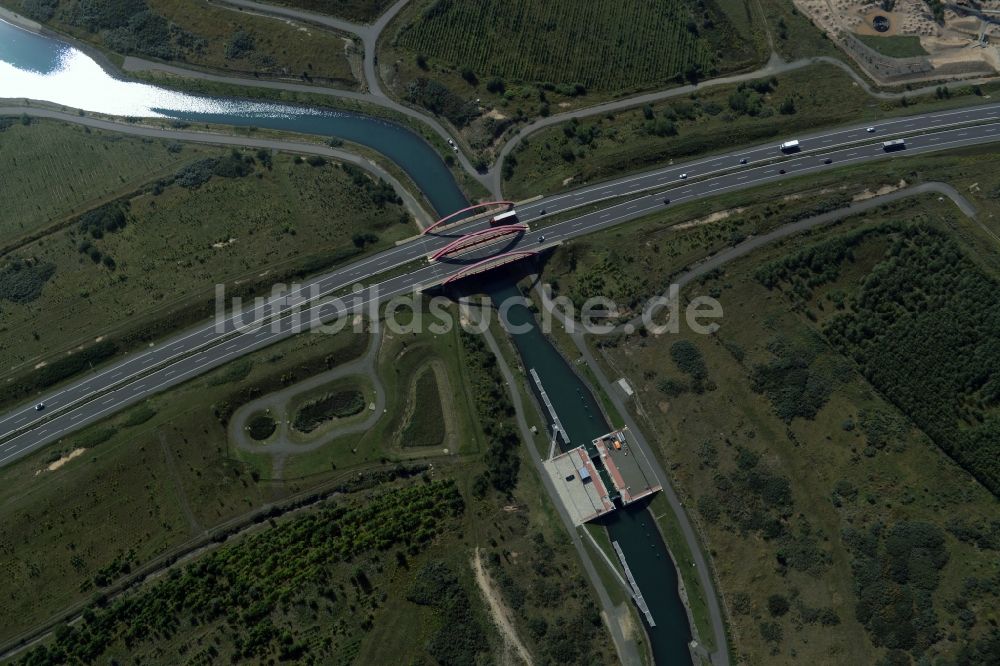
point(584, 499)
point(630, 472)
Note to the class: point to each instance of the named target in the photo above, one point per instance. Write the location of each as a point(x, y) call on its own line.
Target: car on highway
point(541, 239)
point(743, 161)
point(827, 161)
point(40, 406)
point(781, 171)
point(666, 201)
point(541, 212)
point(870, 129)
point(683, 176)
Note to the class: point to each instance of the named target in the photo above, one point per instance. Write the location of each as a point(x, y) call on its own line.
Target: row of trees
point(495, 412)
point(243, 585)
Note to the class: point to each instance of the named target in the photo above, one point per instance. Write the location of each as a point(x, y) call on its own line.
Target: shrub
point(777, 605)
point(22, 281)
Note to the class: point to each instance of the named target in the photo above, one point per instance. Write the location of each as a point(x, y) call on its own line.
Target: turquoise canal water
point(43, 68)
point(632, 527)
point(39, 67)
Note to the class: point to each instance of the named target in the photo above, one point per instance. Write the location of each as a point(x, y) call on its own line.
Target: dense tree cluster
point(758, 500)
point(793, 383)
point(561, 631)
point(198, 173)
point(379, 191)
point(22, 280)
point(896, 571)
point(105, 219)
point(439, 99)
point(128, 26)
point(58, 370)
point(689, 360)
point(243, 585)
point(494, 411)
point(459, 637)
point(924, 327)
point(336, 405)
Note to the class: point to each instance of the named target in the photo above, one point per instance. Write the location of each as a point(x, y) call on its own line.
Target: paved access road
point(198, 350)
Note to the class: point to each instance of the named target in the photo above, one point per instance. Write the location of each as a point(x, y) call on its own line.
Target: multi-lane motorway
point(198, 350)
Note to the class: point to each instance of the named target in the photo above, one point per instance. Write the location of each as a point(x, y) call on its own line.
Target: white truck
point(507, 217)
point(789, 146)
point(895, 144)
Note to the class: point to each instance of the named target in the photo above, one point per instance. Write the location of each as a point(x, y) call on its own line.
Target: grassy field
point(896, 46)
point(785, 506)
point(835, 479)
point(80, 168)
point(361, 11)
point(278, 221)
point(163, 473)
point(330, 406)
point(202, 34)
point(716, 119)
point(486, 66)
point(792, 33)
point(402, 360)
point(425, 425)
point(564, 42)
point(145, 488)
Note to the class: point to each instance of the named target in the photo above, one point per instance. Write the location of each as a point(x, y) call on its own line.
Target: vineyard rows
point(603, 44)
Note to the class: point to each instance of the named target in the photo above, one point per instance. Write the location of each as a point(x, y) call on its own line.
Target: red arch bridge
point(447, 218)
point(477, 239)
point(489, 264)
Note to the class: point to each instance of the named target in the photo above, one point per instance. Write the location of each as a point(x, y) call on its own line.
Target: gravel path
point(281, 443)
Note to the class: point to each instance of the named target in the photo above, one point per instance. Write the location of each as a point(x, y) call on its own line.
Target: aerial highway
point(141, 374)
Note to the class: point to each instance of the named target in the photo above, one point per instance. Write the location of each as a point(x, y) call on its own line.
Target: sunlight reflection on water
point(31, 68)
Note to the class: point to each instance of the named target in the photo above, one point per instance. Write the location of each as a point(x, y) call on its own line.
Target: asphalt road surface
point(196, 351)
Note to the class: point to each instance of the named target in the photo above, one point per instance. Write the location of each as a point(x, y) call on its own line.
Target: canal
point(40, 67)
point(633, 527)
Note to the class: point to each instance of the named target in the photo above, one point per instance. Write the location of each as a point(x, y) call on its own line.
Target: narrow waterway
point(632, 527)
point(40, 67)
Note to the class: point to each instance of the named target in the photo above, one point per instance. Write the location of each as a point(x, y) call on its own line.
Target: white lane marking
point(711, 190)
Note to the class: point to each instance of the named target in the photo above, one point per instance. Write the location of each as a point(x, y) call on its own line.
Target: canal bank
point(42, 67)
point(632, 526)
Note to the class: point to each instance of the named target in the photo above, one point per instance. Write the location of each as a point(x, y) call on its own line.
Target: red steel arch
point(477, 237)
point(466, 210)
point(485, 264)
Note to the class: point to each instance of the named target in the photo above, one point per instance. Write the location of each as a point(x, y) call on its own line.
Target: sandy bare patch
point(219, 246)
point(75, 453)
point(495, 115)
point(626, 623)
point(718, 216)
point(885, 189)
point(499, 612)
point(955, 42)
